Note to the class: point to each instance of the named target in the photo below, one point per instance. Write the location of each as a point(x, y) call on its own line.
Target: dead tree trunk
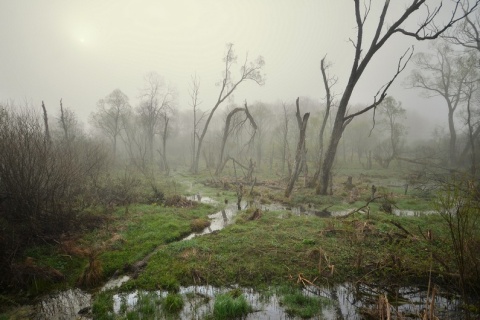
point(166, 168)
point(64, 124)
point(285, 139)
point(328, 83)
point(301, 150)
point(45, 121)
point(226, 132)
point(428, 30)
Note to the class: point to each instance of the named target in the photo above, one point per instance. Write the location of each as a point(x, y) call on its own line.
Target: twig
point(361, 208)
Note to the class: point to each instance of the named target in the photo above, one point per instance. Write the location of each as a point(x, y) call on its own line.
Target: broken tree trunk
point(301, 150)
point(45, 120)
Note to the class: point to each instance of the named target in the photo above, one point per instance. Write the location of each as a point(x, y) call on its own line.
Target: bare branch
point(427, 29)
point(382, 92)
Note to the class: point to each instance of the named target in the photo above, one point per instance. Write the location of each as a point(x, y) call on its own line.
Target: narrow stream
point(347, 302)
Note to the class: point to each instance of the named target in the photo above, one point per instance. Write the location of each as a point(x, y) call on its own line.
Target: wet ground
point(347, 301)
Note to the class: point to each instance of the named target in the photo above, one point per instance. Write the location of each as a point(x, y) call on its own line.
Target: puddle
point(412, 213)
point(115, 283)
point(64, 305)
point(202, 199)
point(345, 302)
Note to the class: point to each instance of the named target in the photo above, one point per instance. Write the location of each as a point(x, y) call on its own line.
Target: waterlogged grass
point(102, 306)
point(297, 303)
point(148, 227)
point(124, 239)
point(173, 303)
point(230, 306)
point(53, 258)
point(280, 248)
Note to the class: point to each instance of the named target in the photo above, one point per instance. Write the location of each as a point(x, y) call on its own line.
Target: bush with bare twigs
point(42, 182)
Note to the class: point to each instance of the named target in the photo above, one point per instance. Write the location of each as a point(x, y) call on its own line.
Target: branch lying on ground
point(361, 208)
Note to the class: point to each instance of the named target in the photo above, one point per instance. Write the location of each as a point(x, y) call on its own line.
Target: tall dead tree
point(427, 30)
point(249, 71)
point(48, 139)
point(328, 83)
point(300, 154)
point(195, 103)
point(285, 146)
point(63, 121)
point(68, 123)
point(227, 130)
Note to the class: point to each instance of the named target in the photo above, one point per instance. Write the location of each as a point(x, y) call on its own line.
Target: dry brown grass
point(70, 247)
point(93, 273)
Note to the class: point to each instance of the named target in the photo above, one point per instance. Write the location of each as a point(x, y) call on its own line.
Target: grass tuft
point(197, 225)
point(296, 303)
point(173, 303)
point(102, 307)
point(228, 306)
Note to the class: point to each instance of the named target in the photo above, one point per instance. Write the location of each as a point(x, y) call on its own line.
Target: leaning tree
point(250, 70)
point(428, 29)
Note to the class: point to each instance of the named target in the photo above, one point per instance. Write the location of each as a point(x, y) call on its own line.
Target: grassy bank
point(281, 248)
point(88, 259)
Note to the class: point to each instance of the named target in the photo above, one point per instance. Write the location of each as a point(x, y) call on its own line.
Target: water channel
point(347, 301)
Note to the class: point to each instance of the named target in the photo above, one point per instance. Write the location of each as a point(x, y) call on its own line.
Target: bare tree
point(156, 98)
point(285, 147)
point(427, 30)
point(109, 115)
point(467, 32)
point(68, 123)
point(195, 103)
point(300, 154)
point(167, 113)
point(248, 71)
point(136, 142)
point(328, 83)
point(48, 138)
point(228, 129)
point(263, 118)
point(445, 74)
point(390, 112)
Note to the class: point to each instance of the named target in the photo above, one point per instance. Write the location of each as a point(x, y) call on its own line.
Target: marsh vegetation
point(301, 209)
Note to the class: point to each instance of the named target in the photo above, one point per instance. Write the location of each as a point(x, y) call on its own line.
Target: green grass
point(296, 303)
point(148, 228)
point(102, 307)
point(51, 256)
point(147, 304)
point(173, 303)
point(124, 240)
point(275, 250)
point(230, 306)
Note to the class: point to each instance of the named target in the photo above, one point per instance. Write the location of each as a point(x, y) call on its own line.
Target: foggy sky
point(82, 50)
